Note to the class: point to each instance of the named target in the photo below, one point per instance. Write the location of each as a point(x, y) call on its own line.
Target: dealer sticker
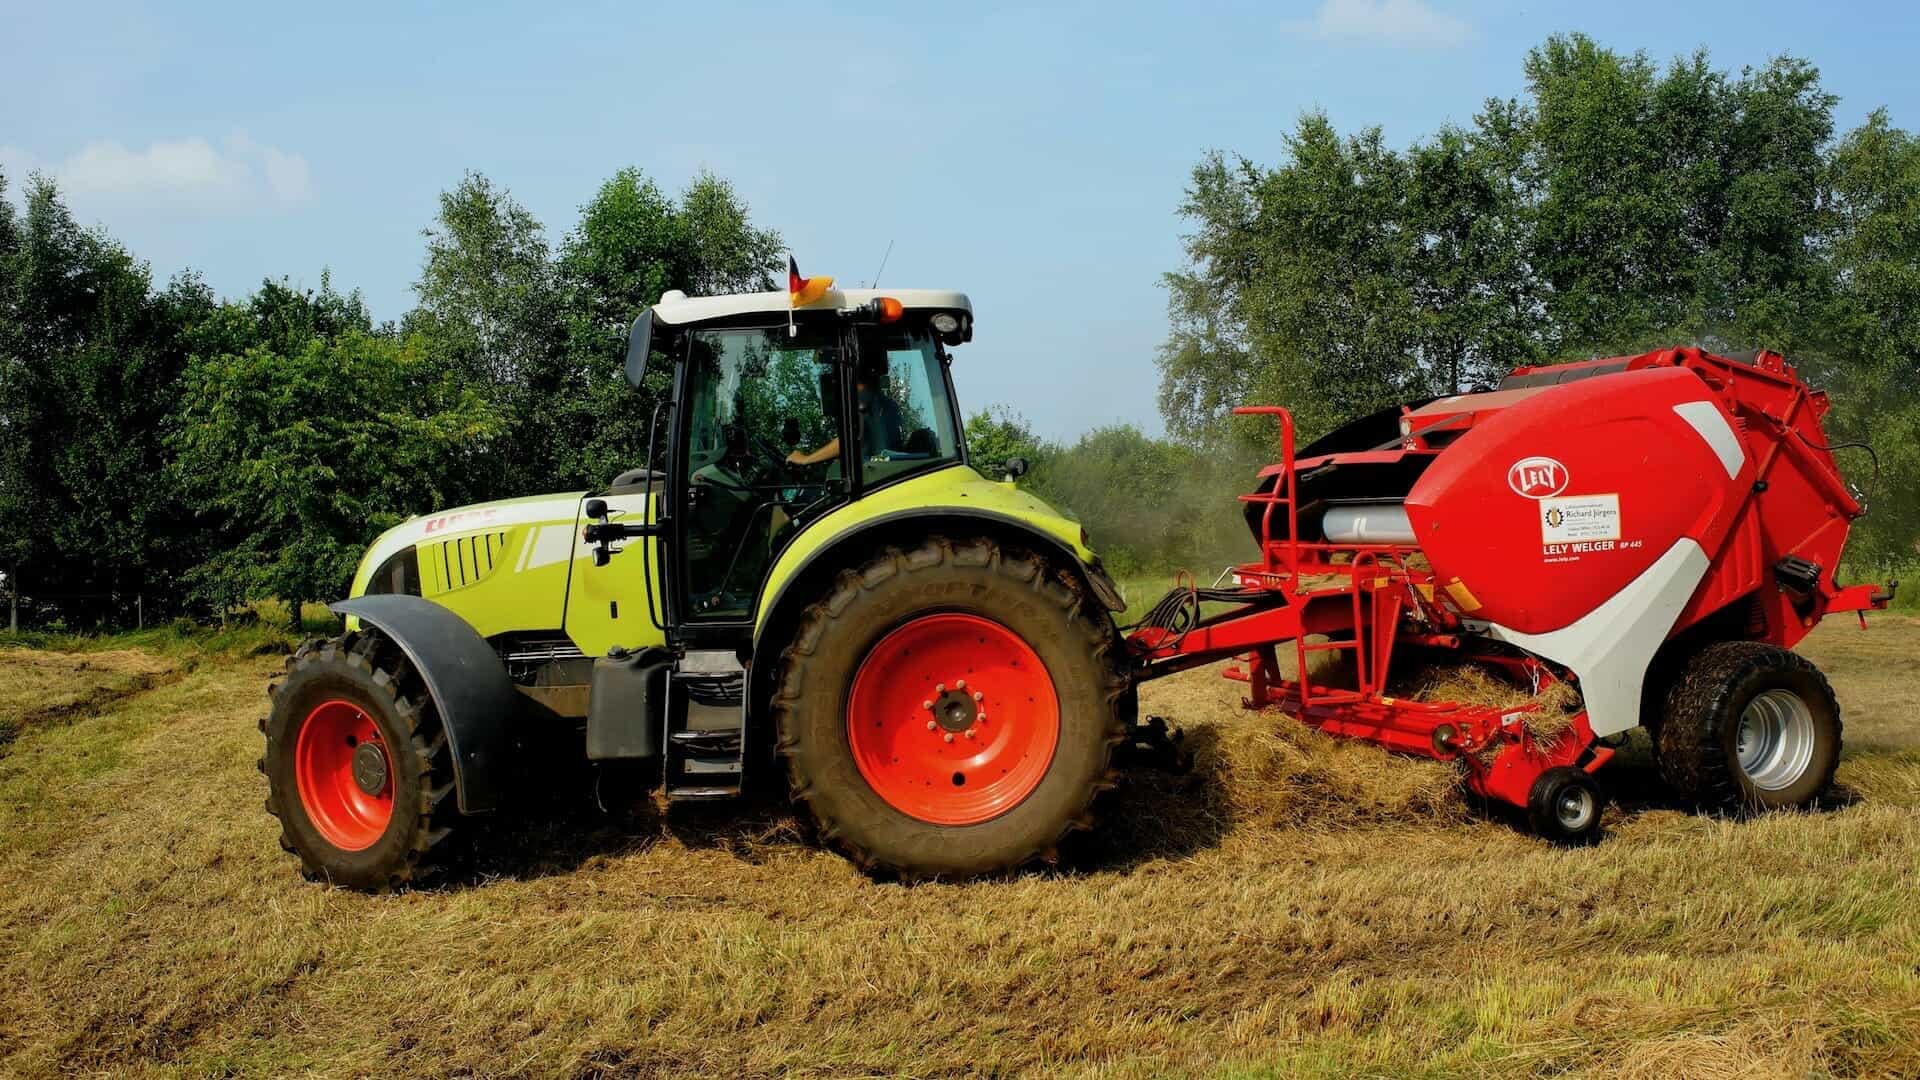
point(1579, 519)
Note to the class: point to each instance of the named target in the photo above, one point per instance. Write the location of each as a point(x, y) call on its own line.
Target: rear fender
point(468, 683)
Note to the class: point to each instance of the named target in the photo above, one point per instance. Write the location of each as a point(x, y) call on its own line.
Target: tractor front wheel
point(358, 770)
point(1749, 725)
point(950, 710)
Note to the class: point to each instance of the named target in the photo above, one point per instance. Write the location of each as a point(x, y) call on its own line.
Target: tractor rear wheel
point(950, 710)
point(358, 770)
point(1749, 724)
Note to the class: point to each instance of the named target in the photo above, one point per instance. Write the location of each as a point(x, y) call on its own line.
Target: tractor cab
point(778, 415)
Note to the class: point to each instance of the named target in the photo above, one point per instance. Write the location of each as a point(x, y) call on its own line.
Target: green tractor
point(808, 571)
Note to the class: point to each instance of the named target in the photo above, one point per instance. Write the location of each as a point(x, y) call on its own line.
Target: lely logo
point(1537, 477)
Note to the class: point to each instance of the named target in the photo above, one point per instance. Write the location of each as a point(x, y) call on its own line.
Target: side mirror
point(639, 344)
point(790, 432)
point(1016, 468)
point(596, 508)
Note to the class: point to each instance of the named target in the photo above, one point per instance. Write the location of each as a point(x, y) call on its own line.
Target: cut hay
point(1289, 775)
point(1277, 772)
point(1553, 710)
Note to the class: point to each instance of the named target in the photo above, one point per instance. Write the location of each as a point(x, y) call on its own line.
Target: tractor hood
point(467, 535)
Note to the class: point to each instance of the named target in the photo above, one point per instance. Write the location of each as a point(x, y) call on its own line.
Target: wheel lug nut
point(978, 696)
point(970, 733)
point(939, 688)
point(927, 704)
point(982, 717)
point(949, 736)
point(960, 684)
point(931, 725)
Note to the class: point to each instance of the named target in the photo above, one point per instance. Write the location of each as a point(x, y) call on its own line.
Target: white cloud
point(1396, 22)
point(237, 175)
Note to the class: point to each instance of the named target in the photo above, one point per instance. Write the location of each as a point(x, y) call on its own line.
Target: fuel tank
point(1545, 509)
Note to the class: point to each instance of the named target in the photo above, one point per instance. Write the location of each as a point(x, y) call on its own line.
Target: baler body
point(1580, 522)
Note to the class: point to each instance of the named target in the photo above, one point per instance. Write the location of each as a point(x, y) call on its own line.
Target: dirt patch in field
point(38, 688)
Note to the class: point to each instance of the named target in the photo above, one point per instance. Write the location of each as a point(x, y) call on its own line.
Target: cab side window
point(902, 410)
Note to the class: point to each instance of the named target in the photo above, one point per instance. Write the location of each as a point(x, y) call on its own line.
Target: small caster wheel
point(1564, 807)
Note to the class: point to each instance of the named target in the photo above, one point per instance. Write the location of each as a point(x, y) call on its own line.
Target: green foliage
point(1151, 505)
point(1615, 207)
point(996, 435)
point(88, 376)
point(201, 454)
point(296, 455)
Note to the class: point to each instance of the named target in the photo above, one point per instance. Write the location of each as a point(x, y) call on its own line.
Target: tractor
point(805, 570)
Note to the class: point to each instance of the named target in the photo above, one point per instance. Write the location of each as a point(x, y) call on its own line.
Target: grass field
point(1293, 907)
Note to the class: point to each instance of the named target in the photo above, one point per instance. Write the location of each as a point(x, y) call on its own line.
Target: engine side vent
point(464, 560)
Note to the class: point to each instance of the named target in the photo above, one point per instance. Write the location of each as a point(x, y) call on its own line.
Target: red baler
point(1659, 530)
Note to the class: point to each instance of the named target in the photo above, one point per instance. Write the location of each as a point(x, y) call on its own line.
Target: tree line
point(196, 452)
point(159, 443)
point(1618, 205)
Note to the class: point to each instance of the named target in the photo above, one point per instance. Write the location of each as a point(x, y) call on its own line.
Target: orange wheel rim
point(344, 774)
point(953, 719)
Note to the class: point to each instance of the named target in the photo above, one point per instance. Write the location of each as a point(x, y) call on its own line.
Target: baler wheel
point(950, 710)
point(1749, 725)
point(358, 769)
point(1564, 806)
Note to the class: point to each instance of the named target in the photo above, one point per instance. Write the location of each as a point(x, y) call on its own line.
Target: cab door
point(754, 402)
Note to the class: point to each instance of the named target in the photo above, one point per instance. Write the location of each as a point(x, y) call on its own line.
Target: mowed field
point(1294, 906)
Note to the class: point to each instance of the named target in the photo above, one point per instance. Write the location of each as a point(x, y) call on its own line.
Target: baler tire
point(1553, 817)
point(1697, 744)
point(971, 578)
point(365, 672)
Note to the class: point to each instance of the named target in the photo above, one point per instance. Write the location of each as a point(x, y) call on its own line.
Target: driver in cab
point(879, 420)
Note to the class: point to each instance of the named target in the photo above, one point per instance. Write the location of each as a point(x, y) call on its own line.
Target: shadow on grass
point(585, 815)
point(1153, 813)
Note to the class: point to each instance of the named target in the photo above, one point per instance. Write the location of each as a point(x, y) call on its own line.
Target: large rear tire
point(950, 710)
point(359, 774)
point(1749, 725)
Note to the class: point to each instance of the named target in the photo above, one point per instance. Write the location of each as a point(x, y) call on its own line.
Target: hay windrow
point(1288, 775)
point(1277, 772)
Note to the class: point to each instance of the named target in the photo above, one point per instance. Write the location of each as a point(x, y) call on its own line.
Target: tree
point(300, 454)
point(490, 311)
point(997, 435)
point(92, 358)
point(1872, 332)
point(1309, 266)
point(633, 244)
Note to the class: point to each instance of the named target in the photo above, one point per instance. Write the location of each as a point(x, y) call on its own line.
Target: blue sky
point(1034, 157)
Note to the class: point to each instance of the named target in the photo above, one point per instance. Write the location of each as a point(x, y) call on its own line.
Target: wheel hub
point(1574, 808)
point(956, 709)
point(1775, 740)
point(370, 767)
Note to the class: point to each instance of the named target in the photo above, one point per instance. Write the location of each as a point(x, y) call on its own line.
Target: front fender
point(468, 684)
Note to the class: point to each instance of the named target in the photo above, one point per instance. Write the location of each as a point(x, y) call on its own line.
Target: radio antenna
point(883, 266)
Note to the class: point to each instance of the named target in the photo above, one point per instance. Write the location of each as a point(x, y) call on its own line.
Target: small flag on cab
point(802, 291)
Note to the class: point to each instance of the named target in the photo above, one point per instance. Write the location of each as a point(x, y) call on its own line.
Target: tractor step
point(706, 726)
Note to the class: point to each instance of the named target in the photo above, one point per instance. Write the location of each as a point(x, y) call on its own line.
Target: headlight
point(945, 322)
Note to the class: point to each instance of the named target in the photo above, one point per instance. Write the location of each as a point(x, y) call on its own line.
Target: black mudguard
point(468, 683)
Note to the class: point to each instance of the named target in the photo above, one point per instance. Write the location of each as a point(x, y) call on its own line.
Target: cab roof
point(678, 309)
